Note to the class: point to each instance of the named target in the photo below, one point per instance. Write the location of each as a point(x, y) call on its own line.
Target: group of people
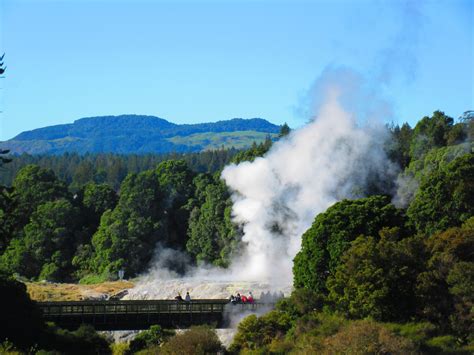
point(241, 298)
point(179, 298)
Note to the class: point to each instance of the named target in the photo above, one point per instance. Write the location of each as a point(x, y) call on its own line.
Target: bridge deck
point(140, 314)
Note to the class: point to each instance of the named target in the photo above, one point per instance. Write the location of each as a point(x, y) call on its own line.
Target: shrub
point(419, 333)
point(254, 333)
point(367, 337)
point(119, 348)
point(301, 302)
point(196, 341)
point(152, 337)
point(84, 340)
point(445, 343)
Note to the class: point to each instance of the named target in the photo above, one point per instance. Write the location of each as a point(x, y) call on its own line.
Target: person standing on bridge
point(187, 298)
point(250, 298)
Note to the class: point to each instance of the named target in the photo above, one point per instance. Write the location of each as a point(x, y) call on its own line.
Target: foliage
point(253, 152)
point(444, 198)
point(176, 179)
point(96, 199)
point(366, 337)
point(84, 340)
point(331, 233)
point(434, 132)
point(255, 332)
point(119, 348)
point(301, 301)
point(154, 336)
point(46, 249)
point(377, 278)
point(112, 168)
point(284, 130)
point(445, 288)
point(21, 321)
point(418, 170)
point(195, 341)
point(128, 235)
point(399, 149)
point(32, 187)
point(212, 236)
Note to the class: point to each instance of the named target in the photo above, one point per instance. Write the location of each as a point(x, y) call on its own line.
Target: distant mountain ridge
point(139, 134)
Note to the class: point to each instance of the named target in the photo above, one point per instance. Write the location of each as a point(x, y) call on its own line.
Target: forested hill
point(139, 134)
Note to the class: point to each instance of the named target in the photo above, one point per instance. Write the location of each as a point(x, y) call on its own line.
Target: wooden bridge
point(141, 314)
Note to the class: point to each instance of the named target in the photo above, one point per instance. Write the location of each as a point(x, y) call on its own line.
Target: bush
point(21, 323)
point(301, 302)
point(445, 343)
point(154, 336)
point(419, 333)
point(197, 340)
point(367, 337)
point(84, 340)
point(257, 332)
point(119, 348)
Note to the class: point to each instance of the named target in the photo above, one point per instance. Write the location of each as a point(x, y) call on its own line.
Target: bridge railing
point(67, 308)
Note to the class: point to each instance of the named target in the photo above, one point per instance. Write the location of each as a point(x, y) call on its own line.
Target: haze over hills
point(139, 134)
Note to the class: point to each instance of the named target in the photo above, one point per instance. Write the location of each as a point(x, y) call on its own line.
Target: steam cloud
point(276, 197)
point(333, 157)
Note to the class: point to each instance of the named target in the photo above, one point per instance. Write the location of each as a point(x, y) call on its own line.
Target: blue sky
point(200, 61)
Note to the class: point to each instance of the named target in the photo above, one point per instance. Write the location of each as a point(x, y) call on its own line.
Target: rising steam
point(277, 197)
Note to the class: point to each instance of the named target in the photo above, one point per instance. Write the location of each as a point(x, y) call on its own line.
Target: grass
point(41, 291)
point(215, 140)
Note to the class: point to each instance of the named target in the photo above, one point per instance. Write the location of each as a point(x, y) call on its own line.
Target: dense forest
point(78, 170)
point(371, 276)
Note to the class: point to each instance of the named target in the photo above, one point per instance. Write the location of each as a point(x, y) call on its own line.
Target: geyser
point(276, 197)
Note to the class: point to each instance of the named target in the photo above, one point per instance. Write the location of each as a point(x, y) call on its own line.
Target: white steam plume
point(277, 197)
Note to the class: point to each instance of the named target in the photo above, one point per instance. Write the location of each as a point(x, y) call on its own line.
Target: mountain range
point(139, 134)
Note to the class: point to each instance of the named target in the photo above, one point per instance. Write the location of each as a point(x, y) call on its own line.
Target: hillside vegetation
point(139, 134)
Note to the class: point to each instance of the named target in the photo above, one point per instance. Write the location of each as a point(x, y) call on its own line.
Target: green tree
point(46, 249)
point(98, 198)
point(444, 289)
point(32, 187)
point(284, 130)
point(430, 132)
point(399, 150)
point(444, 198)
point(212, 236)
point(253, 152)
point(127, 235)
point(377, 278)
point(331, 233)
point(176, 179)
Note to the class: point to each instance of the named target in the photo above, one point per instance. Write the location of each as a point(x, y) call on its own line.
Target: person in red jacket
point(244, 299)
point(250, 298)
